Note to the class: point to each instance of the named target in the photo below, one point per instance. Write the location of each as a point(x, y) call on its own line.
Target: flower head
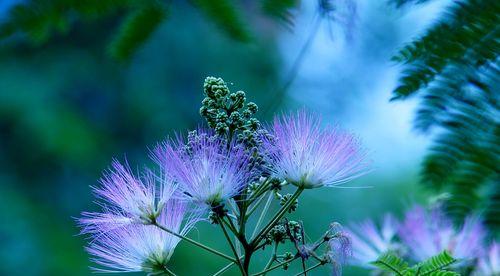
point(127, 199)
point(140, 247)
point(339, 248)
point(428, 233)
point(369, 242)
point(208, 170)
point(309, 156)
point(490, 263)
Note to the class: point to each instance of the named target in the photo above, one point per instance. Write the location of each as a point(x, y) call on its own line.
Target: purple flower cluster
point(339, 251)
point(123, 237)
point(427, 233)
point(141, 247)
point(127, 199)
point(369, 242)
point(421, 235)
point(309, 156)
point(489, 264)
point(208, 170)
point(204, 172)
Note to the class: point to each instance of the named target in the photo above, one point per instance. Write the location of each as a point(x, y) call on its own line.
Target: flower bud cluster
point(231, 116)
point(277, 235)
point(291, 230)
point(286, 257)
point(227, 112)
point(285, 198)
point(295, 230)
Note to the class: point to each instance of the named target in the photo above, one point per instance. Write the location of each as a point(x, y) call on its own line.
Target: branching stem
point(207, 248)
point(282, 211)
point(309, 269)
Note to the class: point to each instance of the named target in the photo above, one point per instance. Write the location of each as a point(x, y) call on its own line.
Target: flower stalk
point(198, 244)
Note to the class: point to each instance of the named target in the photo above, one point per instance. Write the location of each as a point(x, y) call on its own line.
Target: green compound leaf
point(391, 263)
point(454, 68)
point(435, 265)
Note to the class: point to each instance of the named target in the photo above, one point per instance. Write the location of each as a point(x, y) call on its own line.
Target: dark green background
point(66, 109)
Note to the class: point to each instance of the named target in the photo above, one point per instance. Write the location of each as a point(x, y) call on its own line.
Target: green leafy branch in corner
point(454, 68)
point(39, 20)
point(433, 266)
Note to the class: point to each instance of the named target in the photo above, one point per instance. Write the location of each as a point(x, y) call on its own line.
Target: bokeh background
point(67, 108)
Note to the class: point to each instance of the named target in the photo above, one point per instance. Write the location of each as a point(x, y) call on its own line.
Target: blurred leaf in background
point(66, 109)
point(39, 20)
point(454, 67)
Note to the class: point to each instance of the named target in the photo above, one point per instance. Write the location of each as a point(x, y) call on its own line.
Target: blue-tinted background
point(66, 109)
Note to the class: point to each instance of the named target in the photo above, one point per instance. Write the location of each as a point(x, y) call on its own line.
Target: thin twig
point(238, 262)
point(262, 214)
point(309, 269)
point(224, 269)
point(273, 257)
point(277, 217)
point(276, 266)
point(195, 242)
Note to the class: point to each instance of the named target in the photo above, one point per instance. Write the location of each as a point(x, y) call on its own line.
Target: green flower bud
point(221, 128)
point(254, 124)
point(284, 199)
point(246, 114)
point(277, 234)
point(252, 107)
point(295, 229)
point(203, 111)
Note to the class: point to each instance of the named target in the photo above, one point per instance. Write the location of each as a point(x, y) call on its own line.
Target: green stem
point(224, 269)
point(170, 272)
point(195, 242)
point(230, 225)
point(276, 266)
point(260, 190)
point(273, 257)
point(238, 262)
point(277, 217)
point(262, 214)
point(254, 207)
point(309, 269)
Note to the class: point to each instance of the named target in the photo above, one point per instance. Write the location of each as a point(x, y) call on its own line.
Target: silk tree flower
point(127, 199)
point(339, 250)
point(428, 233)
point(208, 170)
point(139, 247)
point(489, 264)
point(369, 242)
point(309, 156)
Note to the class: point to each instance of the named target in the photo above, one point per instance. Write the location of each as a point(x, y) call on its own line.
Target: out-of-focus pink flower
point(369, 242)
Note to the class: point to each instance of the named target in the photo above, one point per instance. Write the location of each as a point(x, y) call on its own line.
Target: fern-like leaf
point(434, 264)
point(454, 66)
point(391, 263)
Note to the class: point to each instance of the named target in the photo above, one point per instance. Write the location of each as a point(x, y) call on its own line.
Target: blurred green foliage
point(39, 20)
point(66, 109)
point(435, 265)
point(454, 67)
